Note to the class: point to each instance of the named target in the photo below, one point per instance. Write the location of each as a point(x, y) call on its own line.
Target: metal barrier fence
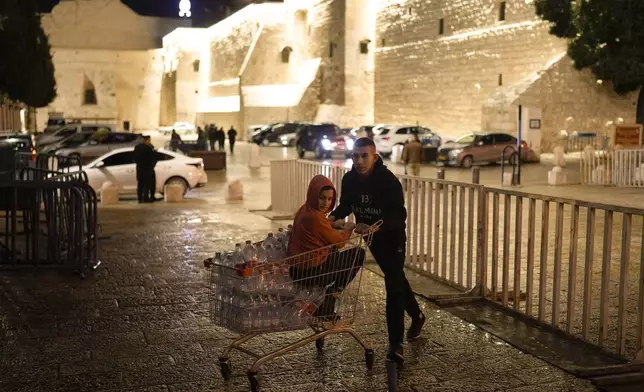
point(50, 217)
point(621, 168)
point(577, 143)
point(536, 255)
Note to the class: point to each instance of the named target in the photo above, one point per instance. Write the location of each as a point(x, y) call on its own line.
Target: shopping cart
point(287, 295)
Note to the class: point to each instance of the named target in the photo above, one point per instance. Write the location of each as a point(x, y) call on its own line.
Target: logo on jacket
point(365, 199)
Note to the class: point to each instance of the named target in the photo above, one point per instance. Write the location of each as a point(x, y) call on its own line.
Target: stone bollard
point(560, 158)
point(173, 193)
point(556, 176)
point(235, 191)
point(254, 160)
point(508, 179)
point(109, 194)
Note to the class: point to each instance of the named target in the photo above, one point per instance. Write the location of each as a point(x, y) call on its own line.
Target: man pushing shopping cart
point(372, 193)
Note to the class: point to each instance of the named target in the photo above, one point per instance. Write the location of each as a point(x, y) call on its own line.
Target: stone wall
point(127, 85)
point(443, 81)
point(570, 101)
point(105, 24)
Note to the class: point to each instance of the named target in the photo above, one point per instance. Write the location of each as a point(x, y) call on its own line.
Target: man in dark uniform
point(145, 158)
point(232, 136)
point(373, 193)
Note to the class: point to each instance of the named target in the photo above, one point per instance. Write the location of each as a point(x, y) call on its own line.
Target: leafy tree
point(606, 36)
point(26, 67)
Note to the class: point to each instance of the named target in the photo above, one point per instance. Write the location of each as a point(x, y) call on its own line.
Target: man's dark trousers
point(400, 297)
point(145, 177)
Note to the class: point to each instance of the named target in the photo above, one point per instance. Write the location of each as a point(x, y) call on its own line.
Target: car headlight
point(349, 144)
point(454, 153)
point(326, 144)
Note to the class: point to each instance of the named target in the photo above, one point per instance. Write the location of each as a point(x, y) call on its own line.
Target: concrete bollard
point(507, 179)
point(556, 176)
point(235, 191)
point(109, 194)
point(173, 193)
point(254, 160)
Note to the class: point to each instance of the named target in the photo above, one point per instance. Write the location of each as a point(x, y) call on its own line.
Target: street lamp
point(184, 9)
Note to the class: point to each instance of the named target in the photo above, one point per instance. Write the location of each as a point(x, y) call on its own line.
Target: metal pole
point(517, 179)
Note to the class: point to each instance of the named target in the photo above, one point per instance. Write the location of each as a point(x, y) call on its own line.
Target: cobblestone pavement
point(141, 322)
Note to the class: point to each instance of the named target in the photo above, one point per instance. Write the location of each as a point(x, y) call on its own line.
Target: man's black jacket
point(145, 157)
point(372, 198)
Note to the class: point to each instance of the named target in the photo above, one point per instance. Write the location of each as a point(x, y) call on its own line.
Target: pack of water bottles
point(251, 289)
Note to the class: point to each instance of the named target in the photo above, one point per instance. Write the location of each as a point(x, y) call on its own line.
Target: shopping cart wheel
point(369, 357)
point(224, 366)
point(254, 382)
point(319, 344)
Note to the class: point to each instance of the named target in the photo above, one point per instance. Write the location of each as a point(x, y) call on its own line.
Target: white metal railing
point(621, 168)
point(584, 276)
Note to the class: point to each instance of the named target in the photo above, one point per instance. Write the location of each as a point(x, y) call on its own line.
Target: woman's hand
point(349, 227)
point(338, 225)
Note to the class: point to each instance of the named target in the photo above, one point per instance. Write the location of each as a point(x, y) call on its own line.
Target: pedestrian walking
point(412, 156)
point(145, 158)
point(232, 135)
point(212, 136)
point(175, 141)
point(221, 139)
point(373, 193)
point(201, 139)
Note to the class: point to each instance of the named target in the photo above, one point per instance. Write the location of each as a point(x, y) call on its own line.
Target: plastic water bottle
point(249, 252)
point(270, 240)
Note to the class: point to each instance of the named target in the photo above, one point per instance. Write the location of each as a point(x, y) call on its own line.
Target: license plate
point(442, 156)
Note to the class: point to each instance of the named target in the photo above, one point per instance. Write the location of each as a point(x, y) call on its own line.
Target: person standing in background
point(232, 135)
point(221, 138)
point(412, 156)
point(145, 158)
point(212, 136)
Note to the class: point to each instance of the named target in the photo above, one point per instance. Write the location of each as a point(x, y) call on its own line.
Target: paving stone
point(141, 323)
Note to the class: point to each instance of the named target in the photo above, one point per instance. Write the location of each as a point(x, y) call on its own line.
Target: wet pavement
point(141, 322)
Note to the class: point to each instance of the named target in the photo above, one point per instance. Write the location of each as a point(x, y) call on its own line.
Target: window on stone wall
point(410, 10)
point(89, 93)
point(364, 46)
point(500, 79)
point(382, 42)
point(195, 65)
point(502, 10)
point(332, 47)
point(441, 26)
point(286, 54)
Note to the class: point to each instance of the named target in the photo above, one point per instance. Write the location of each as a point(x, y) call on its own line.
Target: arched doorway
point(640, 107)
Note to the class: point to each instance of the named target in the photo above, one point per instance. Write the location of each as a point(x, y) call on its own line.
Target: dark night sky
point(167, 8)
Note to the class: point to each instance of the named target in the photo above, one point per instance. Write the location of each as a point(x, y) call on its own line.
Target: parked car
point(272, 134)
point(70, 129)
point(21, 142)
point(288, 140)
point(118, 167)
point(252, 130)
point(477, 148)
point(389, 136)
point(182, 128)
point(73, 140)
point(323, 139)
point(95, 146)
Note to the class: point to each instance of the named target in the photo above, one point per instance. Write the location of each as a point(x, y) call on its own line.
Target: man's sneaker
point(395, 353)
point(416, 327)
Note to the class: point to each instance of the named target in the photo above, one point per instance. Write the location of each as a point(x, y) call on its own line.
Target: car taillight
point(197, 165)
point(524, 144)
point(33, 154)
point(385, 138)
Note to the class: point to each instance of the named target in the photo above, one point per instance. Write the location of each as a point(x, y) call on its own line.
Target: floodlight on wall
point(364, 46)
point(184, 9)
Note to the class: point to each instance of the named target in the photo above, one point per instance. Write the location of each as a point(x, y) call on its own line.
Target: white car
point(118, 167)
point(389, 136)
point(182, 128)
point(288, 139)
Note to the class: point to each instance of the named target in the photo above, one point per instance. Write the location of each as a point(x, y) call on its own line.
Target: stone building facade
point(108, 61)
point(455, 66)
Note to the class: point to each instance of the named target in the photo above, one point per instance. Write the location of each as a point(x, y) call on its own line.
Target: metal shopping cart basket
point(289, 294)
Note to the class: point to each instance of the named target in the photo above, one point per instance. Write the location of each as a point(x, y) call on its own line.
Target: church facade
point(455, 66)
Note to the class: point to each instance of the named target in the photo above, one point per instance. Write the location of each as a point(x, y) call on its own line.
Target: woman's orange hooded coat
point(311, 228)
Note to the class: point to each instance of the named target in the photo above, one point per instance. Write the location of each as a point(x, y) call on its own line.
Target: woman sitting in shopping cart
point(315, 247)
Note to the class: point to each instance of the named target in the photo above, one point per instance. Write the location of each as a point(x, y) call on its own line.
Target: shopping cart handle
point(377, 224)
